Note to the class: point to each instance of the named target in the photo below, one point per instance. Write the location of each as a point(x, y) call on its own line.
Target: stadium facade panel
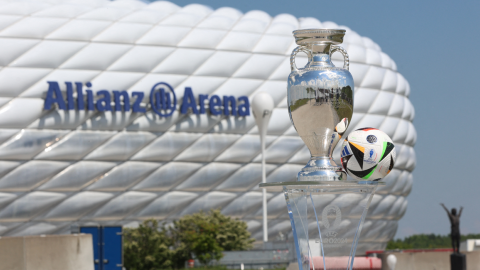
point(99, 159)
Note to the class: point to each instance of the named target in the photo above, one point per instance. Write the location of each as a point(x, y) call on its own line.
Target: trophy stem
point(322, 169)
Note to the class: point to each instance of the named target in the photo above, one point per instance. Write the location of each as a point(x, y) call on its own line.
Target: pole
point(262, 108)
point(264, 191)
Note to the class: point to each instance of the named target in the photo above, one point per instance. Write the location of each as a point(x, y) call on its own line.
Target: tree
point(199, 236)
point(208, 234)
point(147, 247)
point(232, 233)
point(202, 235)
point(426, 241)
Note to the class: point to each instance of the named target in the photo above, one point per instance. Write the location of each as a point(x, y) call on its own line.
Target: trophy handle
point(294, 53)
point(346, 60)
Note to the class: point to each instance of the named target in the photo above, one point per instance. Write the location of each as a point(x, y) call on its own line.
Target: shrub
point(202, 236)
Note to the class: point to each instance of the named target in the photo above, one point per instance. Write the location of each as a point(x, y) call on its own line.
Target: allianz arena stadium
point(111, 158)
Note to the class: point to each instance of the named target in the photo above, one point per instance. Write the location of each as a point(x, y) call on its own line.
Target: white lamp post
point(391, 261)
point(262, 106)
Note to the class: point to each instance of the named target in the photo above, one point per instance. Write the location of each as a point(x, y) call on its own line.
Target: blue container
point(107, 247)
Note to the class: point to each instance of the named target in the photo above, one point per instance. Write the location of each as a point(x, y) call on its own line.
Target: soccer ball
point(368, 154)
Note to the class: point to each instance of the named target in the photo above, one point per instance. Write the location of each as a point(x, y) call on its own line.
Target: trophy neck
point(321, 59)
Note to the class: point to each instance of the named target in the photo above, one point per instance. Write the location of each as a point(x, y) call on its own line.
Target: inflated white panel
point(96, 56)
point(389, 81)
point(244, 149)
point(63, 11)
point(285, 173)
point(79, 30)
point(259, 66)
point(374, 78)
point(74, 146)
point(281, 150)
point(244, 204)
point(301, 156)
point(12, 48)
point(48, 54)
point(244, 178)
point(382, 103)
point(30, 175)
point(239, 41)
point(145, 16)
point(275, 206)
point(196, 123)
point(183, 61)
point(122, 205)
point(6, 198)
point(62, 119)
point(211, 200)
point(164, 35)
point(7, 20)
point(22, 8)
point(412, 161)
point(119, 168)
point(222, 18)
point(203, 38)
point(364, 98)
point(6, 134)
point(14, 115)
point(146, 83)
point(169, 203)
point(168, 176)
point(208, 176)
point(356, 53)
point(239, 87)
point(78, 176)
point(121, 146)
point(124, 176)
point(77, 205)
point(255, 21)
point(222, 64)
point(272, 87)
point(309, 22)
point(105, 14)
point(234, 125)
point(123, 32)
point(167, 146)
point(152, 122)
point(27, 143)
point(207, 147)
point(188, 16)
point(141, 59)
point(30, 205)
point(33, 27)
point(274, 43)
point(373, 57)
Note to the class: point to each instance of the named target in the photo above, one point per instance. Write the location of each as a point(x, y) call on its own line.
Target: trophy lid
point(319, 36)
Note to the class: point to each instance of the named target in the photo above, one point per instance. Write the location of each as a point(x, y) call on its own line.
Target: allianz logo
point(163, 100)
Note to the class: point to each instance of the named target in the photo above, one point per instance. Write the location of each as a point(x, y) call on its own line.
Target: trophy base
point(322, 169)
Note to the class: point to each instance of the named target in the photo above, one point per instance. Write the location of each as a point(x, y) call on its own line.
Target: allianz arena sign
point(163, 100)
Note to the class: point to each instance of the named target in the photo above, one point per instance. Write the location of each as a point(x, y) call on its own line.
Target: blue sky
point(434, 44)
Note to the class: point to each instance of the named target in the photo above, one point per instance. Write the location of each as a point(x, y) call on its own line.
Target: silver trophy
point(320, 101)
point(327, 212)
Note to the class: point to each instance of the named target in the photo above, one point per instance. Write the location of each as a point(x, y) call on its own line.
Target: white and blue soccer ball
point(368, 154)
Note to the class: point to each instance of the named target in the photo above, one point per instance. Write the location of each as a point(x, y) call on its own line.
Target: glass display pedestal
point(327, 219)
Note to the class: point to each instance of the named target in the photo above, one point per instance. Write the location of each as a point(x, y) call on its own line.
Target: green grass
point(298, 104)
